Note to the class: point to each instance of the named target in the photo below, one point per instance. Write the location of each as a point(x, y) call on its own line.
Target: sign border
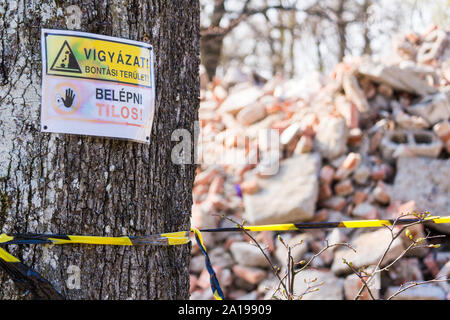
point(45, 32)
point(87, 35)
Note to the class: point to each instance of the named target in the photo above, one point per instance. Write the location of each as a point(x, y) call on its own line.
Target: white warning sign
point(97, 85)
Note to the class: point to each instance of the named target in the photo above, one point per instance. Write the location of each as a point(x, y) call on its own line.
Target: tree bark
point(211, 50)
point(341, 26)
point(365, 14)
point(211, 45)
point(54, 183)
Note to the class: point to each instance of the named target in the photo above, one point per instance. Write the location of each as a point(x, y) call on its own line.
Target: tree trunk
point(341, 26)
point(365, 21)
point(211, 50)
point(54, 183)
point(211, 45)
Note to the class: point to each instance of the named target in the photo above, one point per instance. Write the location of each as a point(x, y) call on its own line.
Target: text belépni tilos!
point(124, 104)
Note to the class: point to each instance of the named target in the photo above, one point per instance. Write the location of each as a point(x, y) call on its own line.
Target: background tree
point(293, 38)
point(284, 22)
point(225, 16)
point(94, 186)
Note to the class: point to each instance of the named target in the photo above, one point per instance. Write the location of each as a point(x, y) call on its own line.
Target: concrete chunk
point(247, 254)
point(236, 101)
point(369, 250)
point(396, 77)
point(433, 108)
point(331, 137)
point(426, 291)
point(427, 182)
point(288, 196)
point(332, 288)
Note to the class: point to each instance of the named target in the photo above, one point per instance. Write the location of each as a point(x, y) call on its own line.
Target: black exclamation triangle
point(65, 60)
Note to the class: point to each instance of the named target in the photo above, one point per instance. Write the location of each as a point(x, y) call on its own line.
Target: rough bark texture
point(211, 45)
point(211, 50)
point(94, 186)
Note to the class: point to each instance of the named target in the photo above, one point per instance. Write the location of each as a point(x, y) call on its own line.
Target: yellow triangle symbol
point(65, 60)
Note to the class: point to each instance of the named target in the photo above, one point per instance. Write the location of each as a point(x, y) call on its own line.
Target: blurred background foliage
point(292, 38)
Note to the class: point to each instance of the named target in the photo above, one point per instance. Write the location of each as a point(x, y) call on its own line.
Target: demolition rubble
point(371, 141)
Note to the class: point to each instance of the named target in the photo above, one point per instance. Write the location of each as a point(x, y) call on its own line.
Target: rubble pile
point(371, 141)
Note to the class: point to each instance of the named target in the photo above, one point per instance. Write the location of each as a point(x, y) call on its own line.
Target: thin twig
point(394, 236)
point(274, 270)
point(414, 284)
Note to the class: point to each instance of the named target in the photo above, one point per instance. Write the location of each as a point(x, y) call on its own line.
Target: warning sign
point(96, 85)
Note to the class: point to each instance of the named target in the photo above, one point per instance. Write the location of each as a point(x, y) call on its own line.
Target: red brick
point(327, 174)
point(407, 208)
point(380, 172)
point(336, 203)
point(352, 161)
point(353, 284)
point(321, 215)
point(266, 238)
point(304, 145)
point(365, 211)
point(343, 188)
point(203, 279)
point(250, 187)
point(431, 265)
point(249, 274)
point(325, 191)
point(385, 90)
point(359, 197)
point(355, 137)
point(381, 193)
point(192, 283)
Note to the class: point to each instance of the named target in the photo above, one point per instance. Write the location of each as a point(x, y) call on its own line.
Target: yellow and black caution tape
point(328, 225)
point(30, 280)
point(215, 286)
point(27, 278)
point(173, 238)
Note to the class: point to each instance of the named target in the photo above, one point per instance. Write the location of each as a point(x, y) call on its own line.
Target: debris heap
point(371, 141)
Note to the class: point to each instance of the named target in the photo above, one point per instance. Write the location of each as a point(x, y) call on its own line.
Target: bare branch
point(394, 236)
point(274, 269)
point(216, 31)
point(414, 284)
